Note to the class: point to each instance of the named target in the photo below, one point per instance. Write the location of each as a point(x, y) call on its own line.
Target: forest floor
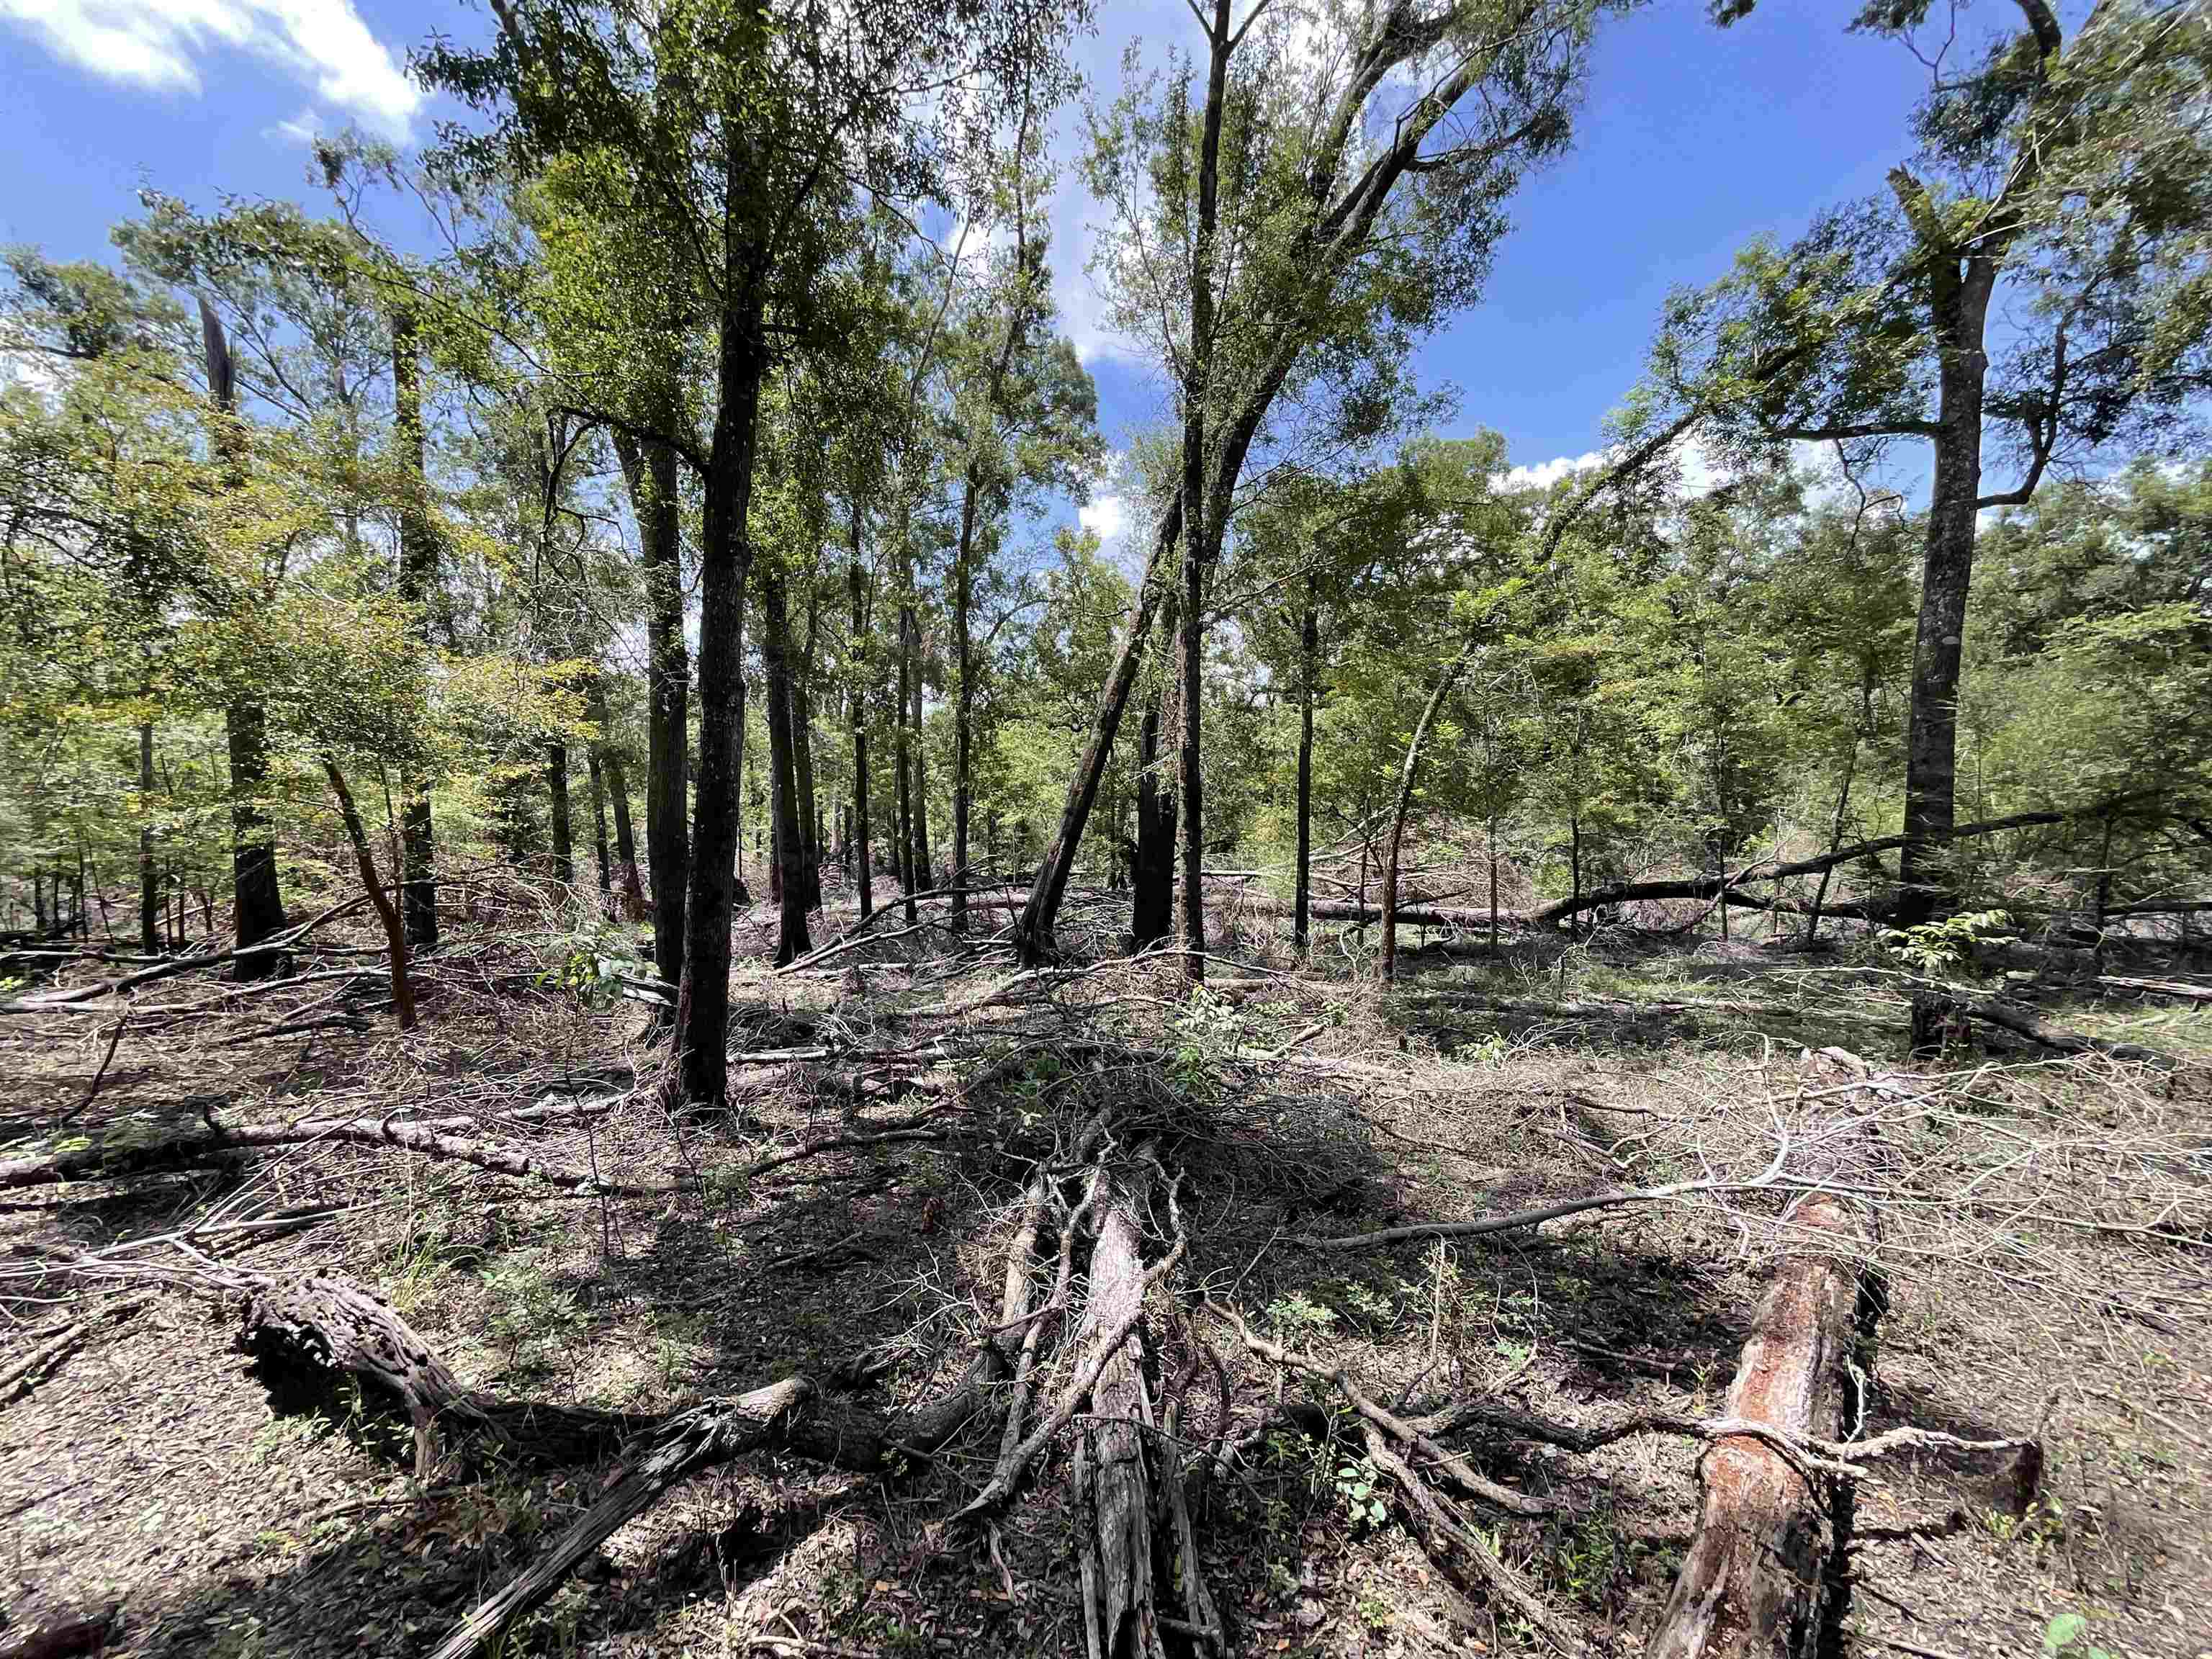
point(2044, 1222)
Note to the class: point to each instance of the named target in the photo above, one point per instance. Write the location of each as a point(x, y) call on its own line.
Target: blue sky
point(1693, 140)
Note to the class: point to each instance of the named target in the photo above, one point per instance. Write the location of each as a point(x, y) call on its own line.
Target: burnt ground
point(2043, 1243)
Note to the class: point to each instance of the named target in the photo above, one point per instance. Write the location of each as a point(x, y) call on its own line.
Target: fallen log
point(435, 1138)
point(1113, 1489)
point(2014, 1018)
point(59, 1635)
point(2157, 988)
point(1755, 1581)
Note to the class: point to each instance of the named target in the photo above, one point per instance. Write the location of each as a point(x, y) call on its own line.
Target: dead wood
point(1113, 1487)
point(1755, 1580)
point(2158, 987)
point(114, 1159)
point(1536, 1218)
point(28, 1372)
point(2014, 1018)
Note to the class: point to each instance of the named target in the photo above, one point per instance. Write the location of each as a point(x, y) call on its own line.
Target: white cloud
point(1545, 474)
point(303, 128)
point(163, 45)
point(1106, 517)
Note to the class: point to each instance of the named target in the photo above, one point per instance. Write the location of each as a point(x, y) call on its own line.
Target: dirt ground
point(2044, 1222)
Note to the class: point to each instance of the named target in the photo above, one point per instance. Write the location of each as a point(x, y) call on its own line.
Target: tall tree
point(2062, 185)
point(1333, 210)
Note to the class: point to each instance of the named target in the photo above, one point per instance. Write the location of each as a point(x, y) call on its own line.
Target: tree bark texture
point(562, 830)
point(1151, 873)
point(856, 588)
point(418, 583)
point(790, 836)
point(702, 1000)
point(1961, 302)
point(649, 468)
point(1755, 1583)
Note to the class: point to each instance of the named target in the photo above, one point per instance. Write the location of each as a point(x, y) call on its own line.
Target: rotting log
point(1113, 1490)
point(1755, 1583)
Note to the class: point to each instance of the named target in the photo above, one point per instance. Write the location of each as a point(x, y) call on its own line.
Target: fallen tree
point(1756, 1577)
point(110, 1159)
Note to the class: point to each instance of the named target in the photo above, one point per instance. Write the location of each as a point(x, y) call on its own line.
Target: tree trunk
point(918, 803)
point(904, 853)
point(810, 813)
point(702, 1000)
point(599, 824)
point(564, 836)
point(963, 699)
point(789, 837)
point(259, 905)
point(1113, 1491)
point(649, 468)
point(388, 912)
point(149, 874)
point(859, 711)
point(1406, 776)
point(1033, 929)
point(629, 897)
point(1151, 871)
point(1961, 303)
point(418, 582)
point(1309, 647)
point(1754, 1584)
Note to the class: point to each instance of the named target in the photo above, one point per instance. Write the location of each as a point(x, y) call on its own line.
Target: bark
point(1961, 303)
point(963, 694)
point(60, 1634)
point(1113, 1488)
point(599, 822)
point(630, 904)
point(149, 874)
point(395, 934)
point(802, 755)
point(1033, 929)
point(1310, 652)
point(918, 803)
point(1151, 871)
point(418, 581)
point(854, 586)
point(1200, 506)
point(564, 834)
point(702, 1000)
point(649, 468)
point(1755, 1583)
point(789, 838)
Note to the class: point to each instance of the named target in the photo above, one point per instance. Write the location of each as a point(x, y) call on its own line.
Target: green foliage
point(2067, 1636)
point(1935, 946)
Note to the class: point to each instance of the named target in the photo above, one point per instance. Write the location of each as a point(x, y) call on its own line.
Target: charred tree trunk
point(1754, 1583)
point(388, 912)
point(1033, 929)
point(1151, 873)
point(258, 905)
point(789, 831)
point(418, 582)
point(918, 802)
point(810, 812)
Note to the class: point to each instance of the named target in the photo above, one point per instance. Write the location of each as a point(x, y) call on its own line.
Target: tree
point(2059, 184)
point(1274, 241)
